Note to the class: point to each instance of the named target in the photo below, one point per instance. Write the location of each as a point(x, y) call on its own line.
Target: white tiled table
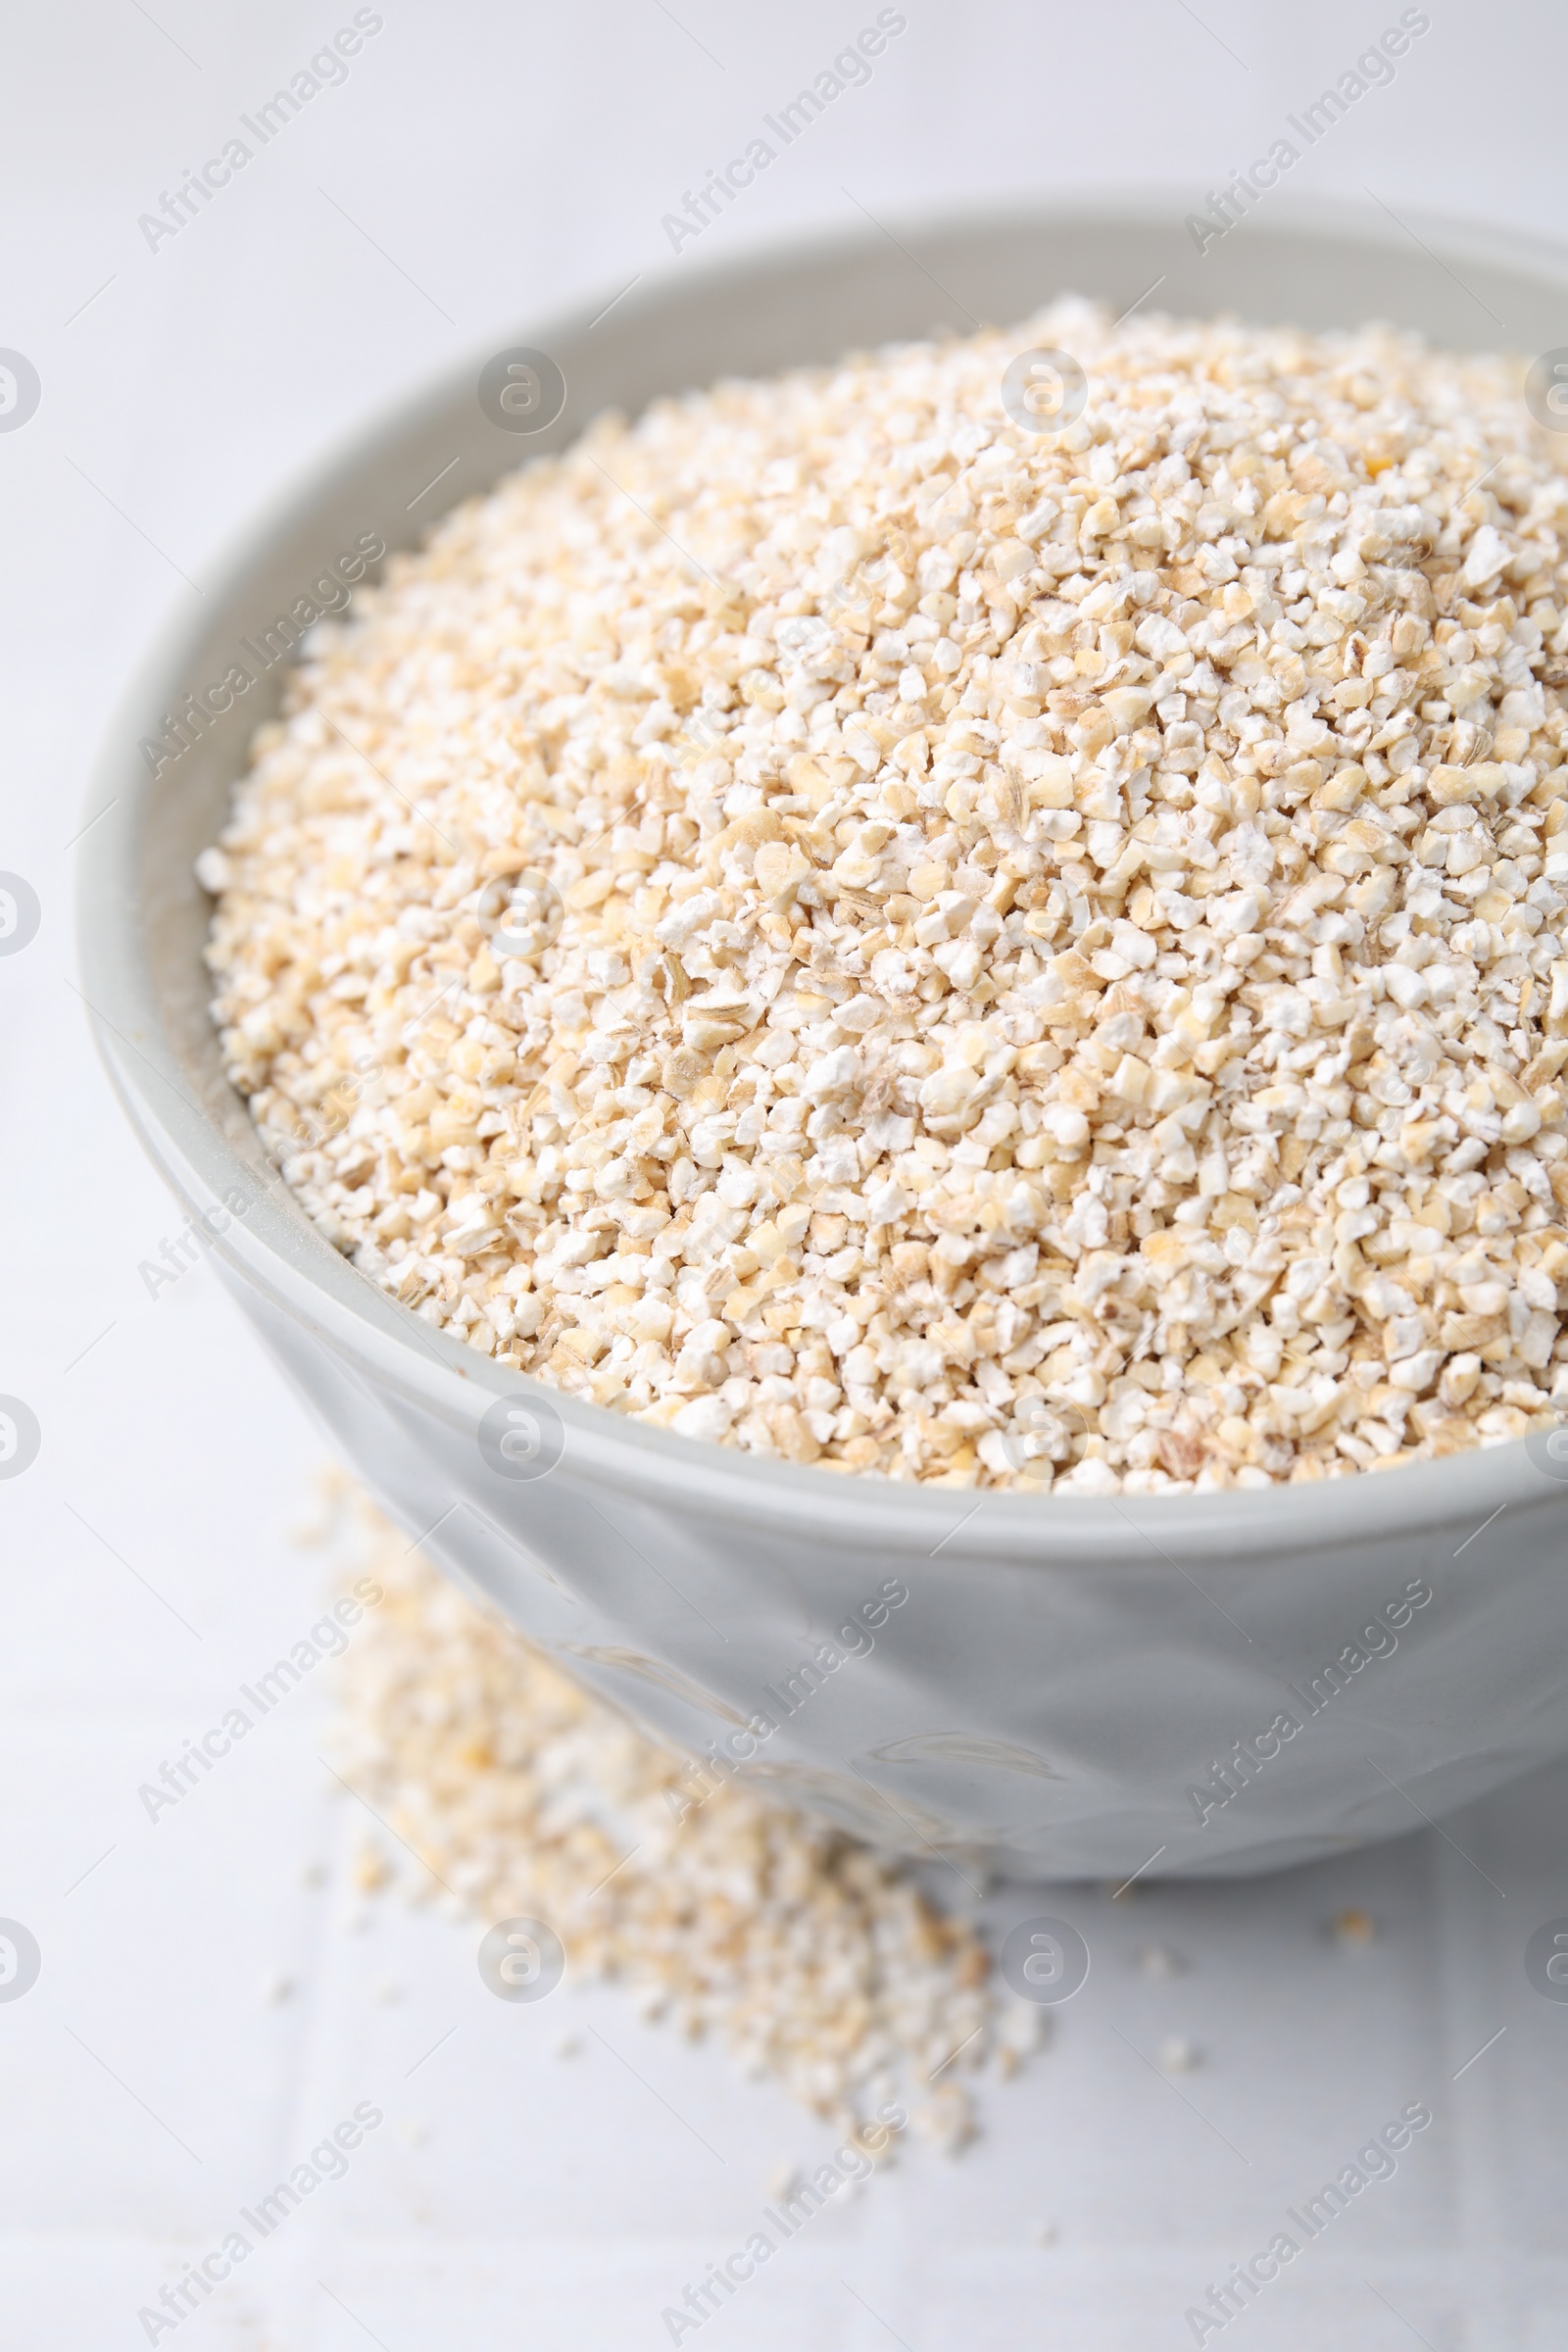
point(492, 163)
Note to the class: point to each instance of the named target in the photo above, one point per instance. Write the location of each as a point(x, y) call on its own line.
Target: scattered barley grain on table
point(811, 1958)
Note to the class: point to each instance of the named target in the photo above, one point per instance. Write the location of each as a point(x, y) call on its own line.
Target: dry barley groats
point(811, 1957)
point(839, 923)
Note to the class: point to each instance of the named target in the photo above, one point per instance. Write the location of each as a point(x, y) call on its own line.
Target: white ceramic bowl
point(1062, 1673)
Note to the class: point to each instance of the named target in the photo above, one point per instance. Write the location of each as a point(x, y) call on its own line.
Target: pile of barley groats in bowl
point(836, 921)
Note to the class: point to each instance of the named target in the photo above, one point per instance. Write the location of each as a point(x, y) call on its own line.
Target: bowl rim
point(276, 1250)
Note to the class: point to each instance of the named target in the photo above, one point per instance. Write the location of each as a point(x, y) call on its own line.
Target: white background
point(482, 165)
